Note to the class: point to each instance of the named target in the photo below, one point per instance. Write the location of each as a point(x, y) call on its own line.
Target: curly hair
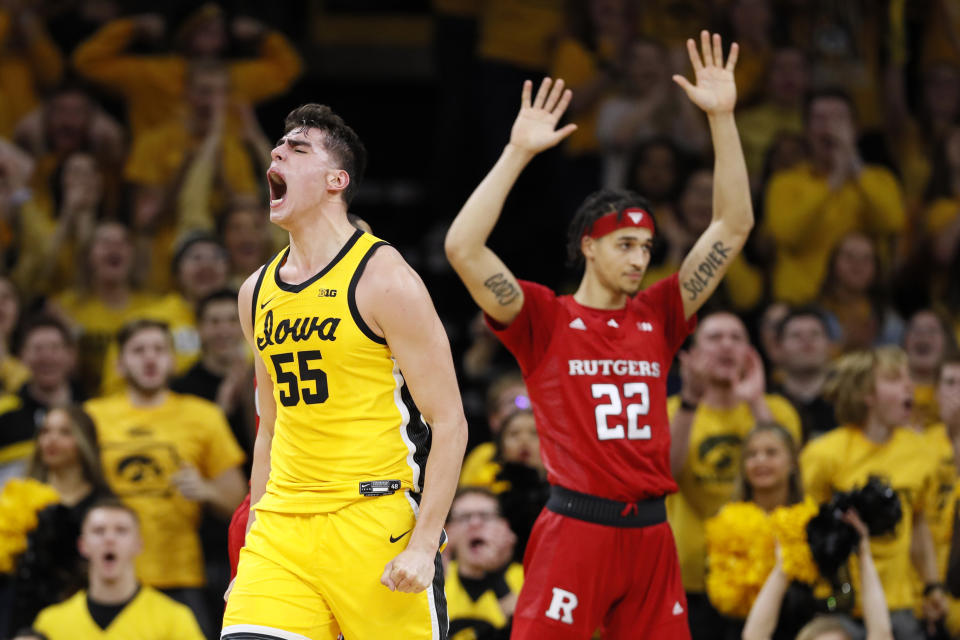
point(597, 205)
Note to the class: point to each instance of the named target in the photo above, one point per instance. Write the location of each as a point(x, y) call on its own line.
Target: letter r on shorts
point(562, 605)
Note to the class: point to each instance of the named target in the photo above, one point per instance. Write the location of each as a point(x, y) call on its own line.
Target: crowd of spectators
point(131, 209)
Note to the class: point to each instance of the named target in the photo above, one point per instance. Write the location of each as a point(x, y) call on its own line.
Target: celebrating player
point(596, 363)
point(350, 486)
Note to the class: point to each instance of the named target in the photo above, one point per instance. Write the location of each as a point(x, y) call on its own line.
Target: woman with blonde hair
point(768, 500)
point(872, 397)
point(67, 458)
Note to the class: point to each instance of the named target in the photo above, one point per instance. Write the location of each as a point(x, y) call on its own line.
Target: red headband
point(629, 217)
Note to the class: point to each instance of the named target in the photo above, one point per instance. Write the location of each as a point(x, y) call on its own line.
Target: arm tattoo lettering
point(707, 270)
point(502, 289)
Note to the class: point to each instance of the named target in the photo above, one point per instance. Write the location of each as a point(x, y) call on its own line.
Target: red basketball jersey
point(597, 382)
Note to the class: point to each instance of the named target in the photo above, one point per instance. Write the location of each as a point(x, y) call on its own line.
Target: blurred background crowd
point(134, 138)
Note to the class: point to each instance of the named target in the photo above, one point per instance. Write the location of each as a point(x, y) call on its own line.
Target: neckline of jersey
point(297, 288)
point(606, 313)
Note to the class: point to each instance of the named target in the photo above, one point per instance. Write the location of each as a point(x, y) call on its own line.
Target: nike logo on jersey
point(677, 609)
point(578, 324)
point(392, 539)
point(636, 217)
point(612, 323)
point(264, 304)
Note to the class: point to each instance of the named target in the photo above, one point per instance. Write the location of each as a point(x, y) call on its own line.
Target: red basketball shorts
point(580, 577)
point(236, 534)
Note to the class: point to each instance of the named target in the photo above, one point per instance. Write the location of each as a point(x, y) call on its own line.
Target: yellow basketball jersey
point(344, 419)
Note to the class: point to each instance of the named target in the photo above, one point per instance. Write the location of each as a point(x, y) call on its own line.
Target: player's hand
point(191, 484)
point(715, 91)
point(535, 127)
point(934, 609)
point(410, 572)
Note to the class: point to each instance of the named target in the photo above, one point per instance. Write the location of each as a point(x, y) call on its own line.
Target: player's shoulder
point(386, 274)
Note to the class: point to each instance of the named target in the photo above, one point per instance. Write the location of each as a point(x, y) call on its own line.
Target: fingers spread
point(683, 82)
point(694, 55)
point(564, 103)
point(705, 48)
point(542, 93)
point(734, 53)
point(563, 133)
point(525, 96)
point(717, 50)
point(554, 96)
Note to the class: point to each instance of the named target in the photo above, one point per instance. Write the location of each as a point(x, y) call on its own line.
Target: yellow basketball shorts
point(314, 576)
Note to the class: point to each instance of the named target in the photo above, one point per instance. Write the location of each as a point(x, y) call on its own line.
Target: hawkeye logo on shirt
point(297, 329)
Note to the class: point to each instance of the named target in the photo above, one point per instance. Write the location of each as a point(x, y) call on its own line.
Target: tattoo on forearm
point(501, 288)
point(707, 270)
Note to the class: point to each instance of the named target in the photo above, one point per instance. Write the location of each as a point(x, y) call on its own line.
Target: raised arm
point(491, 284)
point(716, 94)
point(395, 304)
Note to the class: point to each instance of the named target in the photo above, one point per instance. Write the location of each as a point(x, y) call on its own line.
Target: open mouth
point(278, 188)
point(477, 543)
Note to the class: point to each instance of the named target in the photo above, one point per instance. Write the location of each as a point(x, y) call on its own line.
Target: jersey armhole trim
point(256, 293)
point(352, 295)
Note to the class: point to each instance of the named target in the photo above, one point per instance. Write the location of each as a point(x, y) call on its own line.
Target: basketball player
point(595, 364)
point(350, 485)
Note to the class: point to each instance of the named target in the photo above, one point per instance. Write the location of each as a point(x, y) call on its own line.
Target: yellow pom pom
point(20, 501)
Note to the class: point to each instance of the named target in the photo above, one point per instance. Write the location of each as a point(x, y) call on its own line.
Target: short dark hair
point(339, 140)
point(597, 205)
point(132, 328)
point(836, 93)
point(187, 241)
point(113, 503)
point(220, 295)
point(806, 311)
point(472, 489)
point(43, 321)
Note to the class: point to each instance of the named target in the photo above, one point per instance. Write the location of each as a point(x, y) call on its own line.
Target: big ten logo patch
point(562, 605)
point(327, 293)
point(141, 468)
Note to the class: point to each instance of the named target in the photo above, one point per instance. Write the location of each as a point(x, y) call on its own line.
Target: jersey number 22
point(614, 407)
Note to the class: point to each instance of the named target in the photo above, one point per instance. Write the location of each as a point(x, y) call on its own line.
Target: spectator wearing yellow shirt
point(70, 121)
point(161, 156)
point(103, 301)
point(13, 373)
point(943, 520)
point(855, 298)
point(590, 57)
point(154, 86)
point(115, 606)
point(645, 104)
point(927, 341)
point(167, 456)
point(722, 398)
point(199, 268)
point(811, 207)
point(779, 111)
point(871, 393)
point(938, 249)
point(482, 583)
point(751, 23)
point(30, 63)
point(681, 226)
